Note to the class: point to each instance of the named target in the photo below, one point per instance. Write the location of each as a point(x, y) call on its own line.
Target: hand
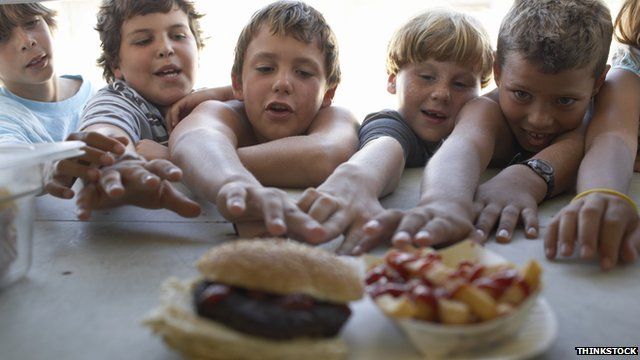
point(183, 107)
point(501, 198)
point(100, 151)
point(428, 224)
point(239, 202)
point(151, 150)
point(136, 182)
point(346, 214)
point(595, 224)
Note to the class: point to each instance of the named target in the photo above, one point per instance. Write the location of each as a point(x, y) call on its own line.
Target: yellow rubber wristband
point(609, 192)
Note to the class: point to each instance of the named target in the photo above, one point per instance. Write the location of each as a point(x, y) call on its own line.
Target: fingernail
point(423, 235)
point(357, 250)
point(585, 251)
point(532, 232)
point(563, 249)
point(402, 236)
point(278, 222)
point(480, 233)
point(503, 233)
point(549, 253)
point(373, 224)
point(148, 178)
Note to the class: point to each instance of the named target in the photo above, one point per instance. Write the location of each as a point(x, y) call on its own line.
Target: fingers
point(232, 198)
point(551, 238)
point(85, 201)
point(589, 226)
point(567, 229)
point(111, 182)
point(273, 211)
point(74, 169)
point(177, 202)
point(164, 169)
point(307, 199)
point(58, 189)
point(530, 221)
point(614, 225)
point(101, 142)
point(410, 224)
point(486, 220)
point(508, 221)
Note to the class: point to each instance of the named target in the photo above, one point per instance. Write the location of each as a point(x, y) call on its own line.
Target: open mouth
point(168, 71)
point(537, 139)
point(279, 108)
point(435, 115)
point(37, 61)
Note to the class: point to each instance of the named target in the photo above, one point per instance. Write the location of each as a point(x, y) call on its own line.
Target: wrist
point(607, 191)
point(543, 170)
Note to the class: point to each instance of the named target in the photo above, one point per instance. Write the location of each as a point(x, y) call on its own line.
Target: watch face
point(543, 166)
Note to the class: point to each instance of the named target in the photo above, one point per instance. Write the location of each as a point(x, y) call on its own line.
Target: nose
point(540, 117)
point(165, 49)
point(25, 38)
point(282, 83)
point(441, 92)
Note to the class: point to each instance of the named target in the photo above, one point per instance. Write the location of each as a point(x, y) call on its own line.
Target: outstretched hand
point(136, 182)
point(241, 203)
point(100, 150)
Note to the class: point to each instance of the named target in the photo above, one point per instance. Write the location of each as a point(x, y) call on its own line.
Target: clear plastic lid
point(13, 155)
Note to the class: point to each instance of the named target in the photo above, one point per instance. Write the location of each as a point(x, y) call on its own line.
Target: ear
point(600, 80)
point(496, 71)
point(236, 87)
point(328, 97)
point(117, 73)
point(391, 84)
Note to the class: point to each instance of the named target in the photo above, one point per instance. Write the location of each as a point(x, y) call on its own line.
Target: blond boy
point(551, 60)
point(285, 71)
point(436, 62)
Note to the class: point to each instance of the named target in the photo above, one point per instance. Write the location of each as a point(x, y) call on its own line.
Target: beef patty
point(273, 316)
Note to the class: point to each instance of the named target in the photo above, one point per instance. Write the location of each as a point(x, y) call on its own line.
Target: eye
point(264, 69)
point(142, 42)
point(566, 101)
point(427, 77)
point(521, 95)
point(304, 73)
point(32, 23)
point(461, 84)
point(180, 36)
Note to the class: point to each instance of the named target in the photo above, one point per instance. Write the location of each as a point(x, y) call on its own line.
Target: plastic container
point(22, 176)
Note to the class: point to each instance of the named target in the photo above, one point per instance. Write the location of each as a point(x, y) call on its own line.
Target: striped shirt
point(119, 105)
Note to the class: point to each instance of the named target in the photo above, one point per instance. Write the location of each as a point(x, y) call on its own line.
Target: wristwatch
point(544, 170)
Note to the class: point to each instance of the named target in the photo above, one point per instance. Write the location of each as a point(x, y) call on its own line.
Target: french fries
point(419, 284)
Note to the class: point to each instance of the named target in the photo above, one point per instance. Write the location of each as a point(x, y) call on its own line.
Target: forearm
point(374, 171)
point(607, 164)
point(211, 164)
point(276, 164)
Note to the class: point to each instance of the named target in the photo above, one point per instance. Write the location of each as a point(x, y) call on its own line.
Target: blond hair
point(297, 19)
point(444, 35)
point(14, 15)
point(628, 23)
point(557, 35)
point(113, 13)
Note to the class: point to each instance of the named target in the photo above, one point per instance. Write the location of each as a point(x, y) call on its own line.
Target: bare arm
point(204, 145)
point(304, 160)
point(602, 223)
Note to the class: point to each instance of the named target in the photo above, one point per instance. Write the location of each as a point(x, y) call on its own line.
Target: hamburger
point(260, 299)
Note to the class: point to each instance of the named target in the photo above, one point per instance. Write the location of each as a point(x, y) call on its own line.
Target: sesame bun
point(282, 267)
point(196, 337)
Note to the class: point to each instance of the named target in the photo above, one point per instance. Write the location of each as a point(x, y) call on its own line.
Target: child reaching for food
point(602, 220)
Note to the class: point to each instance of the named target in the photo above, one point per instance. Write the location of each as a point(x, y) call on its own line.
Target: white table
point(92, 282)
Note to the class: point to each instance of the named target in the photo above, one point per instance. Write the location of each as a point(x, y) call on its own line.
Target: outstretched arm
point(604, 222)
point(444, 213)
point(304, 160)
point(204, 145)
point(349, 197)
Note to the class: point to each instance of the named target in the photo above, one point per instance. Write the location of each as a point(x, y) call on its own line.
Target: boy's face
point(158, 56)
point(539, 106)
point(26, 56)
point(431, 93)
point(283, 85)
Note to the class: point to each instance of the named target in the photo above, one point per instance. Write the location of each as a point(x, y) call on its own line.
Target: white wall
point(363, 28)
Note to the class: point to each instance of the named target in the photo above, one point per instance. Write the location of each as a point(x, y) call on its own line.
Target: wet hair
point(113, 14)
point(443, 35)
point(557, 35)
point(14, 15)
point(627, 23)
point(297, 19)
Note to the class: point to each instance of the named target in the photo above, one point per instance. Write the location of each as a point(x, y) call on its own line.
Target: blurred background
point(363, 29)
